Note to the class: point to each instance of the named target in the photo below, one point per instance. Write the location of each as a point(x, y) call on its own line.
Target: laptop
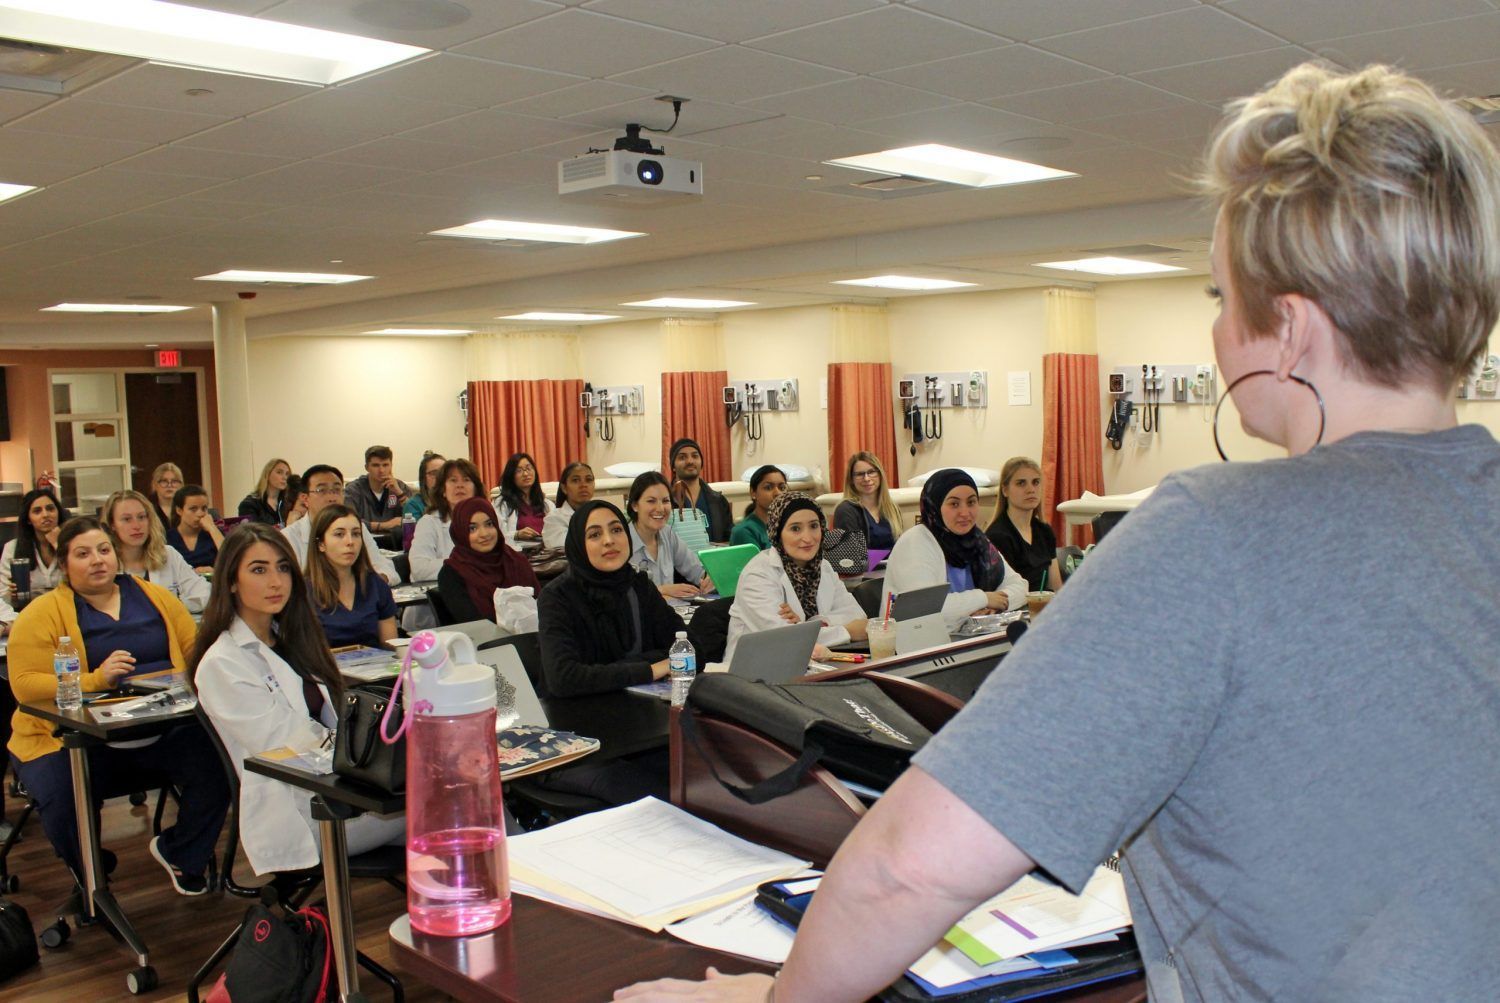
point(916, 603)
point(724, 565)
point(778, 655)
point(919, 618)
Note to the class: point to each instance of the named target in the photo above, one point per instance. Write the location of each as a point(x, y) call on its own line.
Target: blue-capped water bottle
point(682, 661)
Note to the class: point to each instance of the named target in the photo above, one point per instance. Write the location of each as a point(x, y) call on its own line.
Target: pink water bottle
point(457, 880)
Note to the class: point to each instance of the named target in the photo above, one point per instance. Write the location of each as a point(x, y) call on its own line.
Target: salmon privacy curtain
point(860, 413)
point(540, 417)
point(860, 417)
point(1072, 450)
point(692, 407)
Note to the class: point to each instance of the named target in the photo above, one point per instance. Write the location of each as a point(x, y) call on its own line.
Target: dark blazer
point(850, 516)
point(254, 507)
point(581, 656)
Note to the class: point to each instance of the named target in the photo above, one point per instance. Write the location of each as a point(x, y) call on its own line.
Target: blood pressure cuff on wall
point(850, 727)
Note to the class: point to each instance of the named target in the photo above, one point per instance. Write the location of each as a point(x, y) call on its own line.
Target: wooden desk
point(624, 723)
point(549, 954)
point(79, 731)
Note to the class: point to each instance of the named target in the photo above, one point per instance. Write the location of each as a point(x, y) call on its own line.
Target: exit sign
point(168, 358)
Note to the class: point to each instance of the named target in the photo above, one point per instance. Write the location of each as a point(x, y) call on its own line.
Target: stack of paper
point(361, 662)
point(646, 863)
point(1035, 915)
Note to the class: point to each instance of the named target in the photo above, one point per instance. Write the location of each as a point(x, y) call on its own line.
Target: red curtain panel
point(692, 406)
point(860, 417)
point(540, 417)
point(1072, 437)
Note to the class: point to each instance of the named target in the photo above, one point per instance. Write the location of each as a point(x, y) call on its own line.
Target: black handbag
point(849, 726)
point(847, 551)
point(278, 959)
point(358, 751)
point(17, 940)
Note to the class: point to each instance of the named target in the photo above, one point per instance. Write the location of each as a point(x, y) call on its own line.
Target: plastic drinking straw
point(1043, 586)
point(890, 597)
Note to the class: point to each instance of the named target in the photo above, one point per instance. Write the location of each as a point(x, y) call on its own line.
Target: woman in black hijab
point(603, 625)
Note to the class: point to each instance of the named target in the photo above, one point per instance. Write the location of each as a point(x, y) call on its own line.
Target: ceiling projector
point(634, 172)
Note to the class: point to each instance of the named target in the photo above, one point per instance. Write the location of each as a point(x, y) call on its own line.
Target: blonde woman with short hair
point(141, 546)
point(867, 507)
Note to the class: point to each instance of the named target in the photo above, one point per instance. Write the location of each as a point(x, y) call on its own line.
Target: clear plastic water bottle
point(682, 660)
point(66, 665)
point(457, 878)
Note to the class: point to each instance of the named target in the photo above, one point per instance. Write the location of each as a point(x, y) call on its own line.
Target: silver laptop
point(914, 604)
point(778, 655)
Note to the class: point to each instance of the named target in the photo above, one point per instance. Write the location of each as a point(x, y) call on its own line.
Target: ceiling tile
point(578, 98)
point(1186, 36)
point(1094, 99)
point(26, 170)
point(16, 103)
point(1444, 43)
point(351, 111)
point(1221, 80)
point(731, 73)
point(993, 73)
point(970, 126)
point(193, 162)
point(256, 135)
point(1480, 78)
point(1024, 20)
point(492, 132)
point(1193, 122)
point(1305, 22)
point(151, 85)
point(405, 154)
point(585, 44)
point(303, 181)
point(358, 17)
point(881, 39)
point(851, 100)
point(81, 152)
point(79, 117)
point(697, 116)
point(448, 78)
point(731, 20)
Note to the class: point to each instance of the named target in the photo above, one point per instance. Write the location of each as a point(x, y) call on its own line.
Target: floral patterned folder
point(526, 749)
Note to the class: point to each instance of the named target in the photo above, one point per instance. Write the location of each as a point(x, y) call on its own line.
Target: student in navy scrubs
point(353, 603)
point(193, 533)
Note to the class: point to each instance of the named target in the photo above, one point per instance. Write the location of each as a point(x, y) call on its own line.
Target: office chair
point(709, 630)
point(868, 593)
point(440, 610)
point(1068, 559)
point(294, 888)
point(11, 883)
point(402, 561)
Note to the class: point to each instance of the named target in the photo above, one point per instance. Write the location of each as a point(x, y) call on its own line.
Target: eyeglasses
point(863, 474)
point(329, 489)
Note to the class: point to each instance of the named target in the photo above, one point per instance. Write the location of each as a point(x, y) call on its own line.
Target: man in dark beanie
point(691, 492)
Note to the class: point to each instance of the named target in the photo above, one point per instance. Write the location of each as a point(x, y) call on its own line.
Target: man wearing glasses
point(325, 486)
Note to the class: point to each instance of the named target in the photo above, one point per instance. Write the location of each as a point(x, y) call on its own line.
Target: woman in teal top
point(427, 478)
point(766, 484)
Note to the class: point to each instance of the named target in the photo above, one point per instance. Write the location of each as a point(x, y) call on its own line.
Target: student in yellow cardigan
point(120, 625)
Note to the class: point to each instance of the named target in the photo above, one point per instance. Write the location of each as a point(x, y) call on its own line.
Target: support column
point(232, 380)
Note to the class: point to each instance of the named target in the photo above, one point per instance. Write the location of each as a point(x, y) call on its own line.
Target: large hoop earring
point(1322, 411)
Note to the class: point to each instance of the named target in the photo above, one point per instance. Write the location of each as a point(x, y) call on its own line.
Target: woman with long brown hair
point(266, 680)
point(353, 603)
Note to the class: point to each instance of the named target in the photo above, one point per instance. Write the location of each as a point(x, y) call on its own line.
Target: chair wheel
point(142, 980)
point(11, 884)
point(138, 798)
point(56, 935)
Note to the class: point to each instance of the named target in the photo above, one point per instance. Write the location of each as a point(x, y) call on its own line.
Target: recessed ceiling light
point(576, 318)
point(951, 164)
point(903, 282)
point(8, 191)
point(551, 233)
point(179, 35)
point(434, 332)
point(114, 308)
point(1110, 266)
point(813, 177)
point(150, 344)
point(282, 278)
point(686, 303)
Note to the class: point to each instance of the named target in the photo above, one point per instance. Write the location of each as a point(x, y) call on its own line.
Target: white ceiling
point(148, 185)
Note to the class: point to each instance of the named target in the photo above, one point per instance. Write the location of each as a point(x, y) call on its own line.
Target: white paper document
point(1036, 915)
point(742, 928)
point(647, 863)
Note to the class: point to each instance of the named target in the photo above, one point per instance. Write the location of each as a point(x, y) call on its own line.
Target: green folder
point(724, 565)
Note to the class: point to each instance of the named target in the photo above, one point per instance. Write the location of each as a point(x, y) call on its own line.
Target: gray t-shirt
point(1277, 685)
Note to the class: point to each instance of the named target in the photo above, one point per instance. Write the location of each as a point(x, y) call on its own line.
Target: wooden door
point(161, 411)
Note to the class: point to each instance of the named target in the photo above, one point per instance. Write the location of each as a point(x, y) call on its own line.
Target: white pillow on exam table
point(631, 468)
point(791, 471)
point(983, 477)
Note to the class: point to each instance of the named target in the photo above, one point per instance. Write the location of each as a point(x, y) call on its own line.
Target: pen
point(841, 656)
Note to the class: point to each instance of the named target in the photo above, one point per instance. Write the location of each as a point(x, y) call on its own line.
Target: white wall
point(325, 399)
point(778, 345)
point(619, 355)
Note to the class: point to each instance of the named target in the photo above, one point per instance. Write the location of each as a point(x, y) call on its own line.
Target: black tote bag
point(358, 751)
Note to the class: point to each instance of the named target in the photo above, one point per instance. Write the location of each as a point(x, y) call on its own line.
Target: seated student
point(296, 500)
point(42, 516)
point(377, 497)
point(654, 547)
point(523, 506)
point(325, 486)
point(193, 533)
point(166, 479)
point(353, 603)
point(267, 503)
point(574, 489)
point(119, 625)
point(428, 479)
point(694, 496)
point(867, 507)
point(266, 680)
point(792, 582)
point(480, 563)
point(141, 547)
point(603, 625)
point(947, 547)
point(431, 542)
point(766, 485)
point(1023, 538)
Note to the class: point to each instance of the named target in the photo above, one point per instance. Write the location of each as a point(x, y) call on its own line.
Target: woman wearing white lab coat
point(141, 544)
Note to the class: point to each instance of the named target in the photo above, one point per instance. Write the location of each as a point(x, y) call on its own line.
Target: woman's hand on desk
point(527, 533)
point(997, 601)
point(118, 665)
point(661, 669)
point(679, 590)
point(718, 988)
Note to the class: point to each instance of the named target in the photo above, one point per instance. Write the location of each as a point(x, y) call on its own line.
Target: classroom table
point(79, 731)
point(412, 594)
